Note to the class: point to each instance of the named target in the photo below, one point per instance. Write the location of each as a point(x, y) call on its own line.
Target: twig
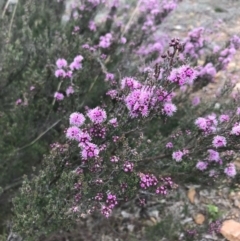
point(5, 8)
point(11, 22)
point(131, 18)
point(42, 134)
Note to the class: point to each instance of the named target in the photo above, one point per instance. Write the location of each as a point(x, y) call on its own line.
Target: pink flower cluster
point(128, 166)
point(111, 202)
point(130, 83)
point(65, 71)
point(105, 41)
point(178, 155)
point(140, 101)
point(182, 75)
point(147, 180)
point(208, 124)
point(83, 137)
point(193, 44)
point(97, 115)
point(236, 129)
point(167, 184)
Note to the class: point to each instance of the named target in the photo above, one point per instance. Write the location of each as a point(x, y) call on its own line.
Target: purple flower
point(97, 115)
point(75, 65)
point(184, 74)
point(224, 118)
point(177, 156)
point(238, 111)
point(18, 101)
point(92, 26)
point(128, 166)
point(169, 109)
point(139, 102)
point(169, 145)
point(214, 156)
point(76, 119)
point(123, 40)
point(58, 96)
point(114, 122)
point(109, 77)
point(106, 211)
point(78, 59)
point(196, 101)
point(89, 150)
point(72, 133)
point(219, 141)
point(114, 159)
point(147, 180)
point(83, 138)
point(60, 73)
point(130, 83)
point(112, 93)
point(69, 91)
point(105, 41)
point(201, 165)
point(230, 170)
point(236, 129)
point(61, 63)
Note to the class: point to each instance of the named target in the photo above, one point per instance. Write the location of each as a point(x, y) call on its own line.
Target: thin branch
point(11, 22)
point(42, 134)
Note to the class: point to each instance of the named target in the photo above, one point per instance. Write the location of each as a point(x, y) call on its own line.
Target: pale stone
point(199, 218)
point(231, 230)
point(191, 195)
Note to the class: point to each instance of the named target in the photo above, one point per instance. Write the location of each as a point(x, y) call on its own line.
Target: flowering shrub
point(128, 125)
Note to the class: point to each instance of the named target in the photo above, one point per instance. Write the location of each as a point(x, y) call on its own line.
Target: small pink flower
point(90, 150)
point(105, 41)
point(230, 170)
point(201, 165)
point(114, 122)
point(214, 156)
point(73, 133)
point(61, 63)
point(219, 141)
point(76, 119)
point(78, 59)
point(224, 118)
point(238, 111)
point(83, 138)
point(97, 115)
point(69, 90)
point(92, 26)
point(109, 77)
point(32, 88)
point(128, 166)
point(112, 93)
point(123, 40)
point(177, 155)
point(114, 159)
point(60, 73)
point(75, 65)
point(169, 145)
point(18, 101)
point(236, 129)
point(58, 96)
point(169, 109)
point(196, 101)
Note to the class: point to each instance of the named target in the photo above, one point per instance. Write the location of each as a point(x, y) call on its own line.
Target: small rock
point(125, 214)
point(231, 230)
point(191, 194)
point(199, 218)
point(130, 227)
